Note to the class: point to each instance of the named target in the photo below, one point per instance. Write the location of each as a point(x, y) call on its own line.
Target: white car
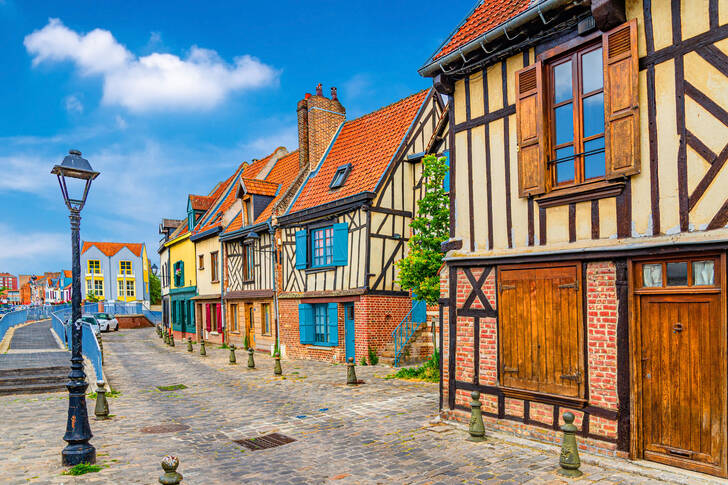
point(92, 322)
point(107, 322)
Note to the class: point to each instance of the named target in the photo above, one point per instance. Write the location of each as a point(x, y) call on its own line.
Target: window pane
point(593, 115)
point(652, 275)
point(591, 71)
point(677, 274)
point(562, 82)
point(565, 169)
point(594, 163)
point(703, 273)
point(564, 121)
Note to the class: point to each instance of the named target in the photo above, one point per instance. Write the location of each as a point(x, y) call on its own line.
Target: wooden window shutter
point(219, 317)
point(621, 100)
point(333, 324)
point(305, 323)
point(531, 141)
point(341, 244)
point(208, 319)
point(301, 247)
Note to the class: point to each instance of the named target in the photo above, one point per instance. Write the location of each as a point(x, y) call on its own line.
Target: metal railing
point(407, 328)
point(136, 308)
point(89, 343)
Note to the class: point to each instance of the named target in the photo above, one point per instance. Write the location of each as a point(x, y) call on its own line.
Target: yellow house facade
point(183, 282)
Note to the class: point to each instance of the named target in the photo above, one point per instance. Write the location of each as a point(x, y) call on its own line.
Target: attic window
point(340, 176)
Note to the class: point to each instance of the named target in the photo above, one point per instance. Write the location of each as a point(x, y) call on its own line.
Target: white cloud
point(26, 245)
point(27, 173)
point(120, 122)
point(154, 82)
point(73, 104)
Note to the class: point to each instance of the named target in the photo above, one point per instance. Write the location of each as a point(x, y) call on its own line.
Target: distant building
point(10, 295)
point(115, 271)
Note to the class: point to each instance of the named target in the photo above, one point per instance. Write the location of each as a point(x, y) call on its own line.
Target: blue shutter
point(332, 326)
point(341, 244)
point(305, 323)
point(301, 250)
point(446, 180)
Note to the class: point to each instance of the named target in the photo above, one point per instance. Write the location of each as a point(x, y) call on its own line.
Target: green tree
point(91, 296)
point(418, 271)
point(155, 289)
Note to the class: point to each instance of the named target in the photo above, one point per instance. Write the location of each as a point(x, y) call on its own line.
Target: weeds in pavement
point(428, 372)
point(82, 469)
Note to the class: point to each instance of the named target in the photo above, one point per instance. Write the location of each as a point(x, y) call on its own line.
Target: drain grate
point(175, 387)
point(165, 428)
point(264, 442)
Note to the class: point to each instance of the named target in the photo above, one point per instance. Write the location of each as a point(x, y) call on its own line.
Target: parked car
point(107, 322)
point(93, 323)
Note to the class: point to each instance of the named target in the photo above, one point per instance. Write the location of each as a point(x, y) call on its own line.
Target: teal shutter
point(446, 180)
point(182, 275)
point(305, 323)
point(341, 244)
point(301, 250)
point(332, 324)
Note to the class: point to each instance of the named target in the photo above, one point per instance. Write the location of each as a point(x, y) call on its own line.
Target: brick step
point(29, 371)
point(33, 379)
point(31, 389)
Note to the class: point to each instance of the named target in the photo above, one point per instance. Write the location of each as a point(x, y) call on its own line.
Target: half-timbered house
point(586, 265)
point(348, 223)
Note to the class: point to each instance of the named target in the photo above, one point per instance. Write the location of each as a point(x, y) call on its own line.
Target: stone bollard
point(476, 428)
point(351, 372)
point(169, 465)
point(251, 360)
point(233, 361)
point(277, 370)
point(102, 405)
point(203, 352)
point(158, 328)
point(171, 340)
point(189, 344)
point(166, 338)
point(569, 459)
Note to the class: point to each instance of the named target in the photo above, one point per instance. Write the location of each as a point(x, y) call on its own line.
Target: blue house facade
point(115, 271)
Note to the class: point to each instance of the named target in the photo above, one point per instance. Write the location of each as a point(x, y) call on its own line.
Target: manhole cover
point(165, 428)
point(264, 442)
point(175, 387)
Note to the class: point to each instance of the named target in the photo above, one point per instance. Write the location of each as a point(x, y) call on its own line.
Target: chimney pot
point(307, 95)
point(319, 90)
point(333, 94)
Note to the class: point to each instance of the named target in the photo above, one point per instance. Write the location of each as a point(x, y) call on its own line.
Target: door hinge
point(576, 377)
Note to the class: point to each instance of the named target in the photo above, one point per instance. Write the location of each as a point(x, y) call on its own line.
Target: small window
point(213, 267)
point(265, 308)
point(320, 323)
point(201, 261)
point(125, 267)
point(248, 262)
point(340, 176)
point(677, 273)
point(94, 266)
point(130, 288)
point(322, 246)
point(234, 318)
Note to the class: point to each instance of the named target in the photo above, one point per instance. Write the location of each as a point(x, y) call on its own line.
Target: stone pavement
point(379, 432)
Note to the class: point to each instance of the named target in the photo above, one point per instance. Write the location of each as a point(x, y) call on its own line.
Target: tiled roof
point(181, 229)
point(201, 202)
point(67, 273)
point(259, 187)
point(368, 143)
point(487, 15)
point(110, 249)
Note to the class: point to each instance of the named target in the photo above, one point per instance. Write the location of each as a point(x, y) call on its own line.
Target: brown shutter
point(621, 100)
point(530, 118)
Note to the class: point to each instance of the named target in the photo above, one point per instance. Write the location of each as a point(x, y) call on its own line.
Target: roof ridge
point(371, 113)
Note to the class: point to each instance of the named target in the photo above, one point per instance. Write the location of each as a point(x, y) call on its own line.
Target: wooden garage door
point(540, 331)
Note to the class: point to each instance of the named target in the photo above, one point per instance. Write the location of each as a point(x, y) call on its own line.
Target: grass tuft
point(428, 372)
point(82, 469)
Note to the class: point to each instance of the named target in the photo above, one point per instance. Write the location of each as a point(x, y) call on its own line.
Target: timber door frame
point(635, 338)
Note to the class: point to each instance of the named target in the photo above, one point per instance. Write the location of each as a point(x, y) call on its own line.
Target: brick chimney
point(318, 119)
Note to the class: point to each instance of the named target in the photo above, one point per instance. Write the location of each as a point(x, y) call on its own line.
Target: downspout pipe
point(221, 275)
point(273, 259)
point(535, 11)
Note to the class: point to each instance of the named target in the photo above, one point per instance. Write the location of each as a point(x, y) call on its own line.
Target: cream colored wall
point(711, 131)
point(203, 248)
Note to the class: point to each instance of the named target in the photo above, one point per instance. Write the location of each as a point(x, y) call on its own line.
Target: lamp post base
point(78, 453)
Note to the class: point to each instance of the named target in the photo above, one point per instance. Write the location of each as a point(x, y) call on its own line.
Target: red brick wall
point(133, 321)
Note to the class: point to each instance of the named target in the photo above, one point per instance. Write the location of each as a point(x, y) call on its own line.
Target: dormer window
point(340, 176)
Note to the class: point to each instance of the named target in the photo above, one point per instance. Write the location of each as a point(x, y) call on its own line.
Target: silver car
point(107, 323)
point(92, 322)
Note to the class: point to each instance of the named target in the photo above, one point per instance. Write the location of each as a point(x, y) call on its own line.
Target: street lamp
point(78, 172)
point(155, 269)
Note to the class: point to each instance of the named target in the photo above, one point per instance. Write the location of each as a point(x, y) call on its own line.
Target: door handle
point(677, 328)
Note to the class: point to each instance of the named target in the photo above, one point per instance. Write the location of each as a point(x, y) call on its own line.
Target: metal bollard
point(166, 338)
point(189, 344)
point(203, 352)
point(569, 459)
point(101, 346)
point(277, 370)
point(232, 355)
point(351, 372)
point(251, 360)
point(171, 339)
point(476, 428)
point(159, 330)
point(169, 465)
point(102, 405)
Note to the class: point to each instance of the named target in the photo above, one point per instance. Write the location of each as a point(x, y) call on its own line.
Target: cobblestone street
point(379, 432)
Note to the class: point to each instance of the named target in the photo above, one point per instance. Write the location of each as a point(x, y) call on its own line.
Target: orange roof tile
point(259, 187)
point(201, 202)
point(368, 143)
point(181, 229)
point(486, 16)
point(110, 249)
point(67, 273)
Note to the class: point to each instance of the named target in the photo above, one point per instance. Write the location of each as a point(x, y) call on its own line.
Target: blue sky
point(167, 98)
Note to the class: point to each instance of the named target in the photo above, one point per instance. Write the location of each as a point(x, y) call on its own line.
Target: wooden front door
point(683, 378)
point(250, 324)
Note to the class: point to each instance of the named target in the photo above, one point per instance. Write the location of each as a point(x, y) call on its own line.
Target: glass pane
point(562, 82)
point(565, 169)
point(652, 275)
point(591, 71)
point(703, 273)
point(594, 163)
point(564, 121)
point(677, 274)
point(593, 115)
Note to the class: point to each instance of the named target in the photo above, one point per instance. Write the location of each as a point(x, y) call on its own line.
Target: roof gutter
point(533, 12)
